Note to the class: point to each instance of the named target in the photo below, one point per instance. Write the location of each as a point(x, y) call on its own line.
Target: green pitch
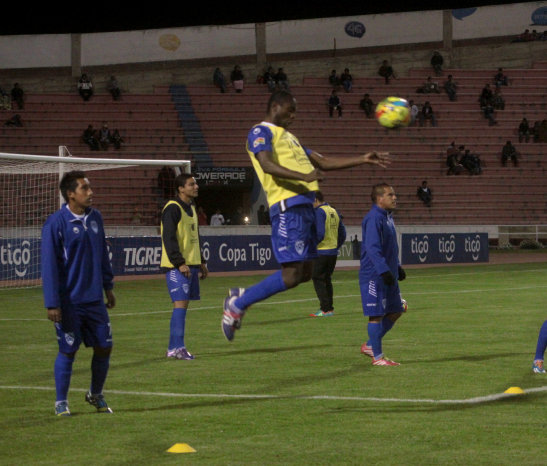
point(292, 389)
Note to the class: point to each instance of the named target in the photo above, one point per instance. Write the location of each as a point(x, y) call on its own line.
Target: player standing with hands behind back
point(289, 174)
point(181, 259)
point(380, 272)
point(75, 271)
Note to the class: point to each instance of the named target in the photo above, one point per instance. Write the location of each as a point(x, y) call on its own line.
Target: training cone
point(181, 448)
point(514, 391)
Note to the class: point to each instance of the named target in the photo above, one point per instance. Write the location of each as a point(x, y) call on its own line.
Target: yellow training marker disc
point(514, 390)
point(181, 448)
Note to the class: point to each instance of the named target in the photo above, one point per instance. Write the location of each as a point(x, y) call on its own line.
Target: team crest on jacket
point(75, 230)
point(94, 226)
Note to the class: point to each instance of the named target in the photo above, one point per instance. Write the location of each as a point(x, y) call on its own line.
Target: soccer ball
point(405, 305)
point(393, 112)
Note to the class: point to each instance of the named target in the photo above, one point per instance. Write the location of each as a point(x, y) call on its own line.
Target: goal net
point(126, 191)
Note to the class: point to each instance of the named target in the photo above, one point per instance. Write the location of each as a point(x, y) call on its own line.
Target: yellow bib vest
point(288, 153)
point(187, 237)
point(332, 222)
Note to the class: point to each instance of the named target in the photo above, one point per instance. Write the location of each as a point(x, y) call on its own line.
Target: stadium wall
point(164, 45)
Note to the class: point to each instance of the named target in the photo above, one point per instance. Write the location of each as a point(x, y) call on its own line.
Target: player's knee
point(68, 355)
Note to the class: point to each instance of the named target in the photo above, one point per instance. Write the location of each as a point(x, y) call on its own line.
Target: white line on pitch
point(474, 400)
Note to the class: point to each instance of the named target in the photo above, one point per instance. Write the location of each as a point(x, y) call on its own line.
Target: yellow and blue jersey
point(287, 152)
point(331, 232)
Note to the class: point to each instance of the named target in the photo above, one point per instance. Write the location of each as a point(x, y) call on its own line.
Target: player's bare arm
point(54, 314)
point(272, 168)
point(110, 299)
point(381, 159)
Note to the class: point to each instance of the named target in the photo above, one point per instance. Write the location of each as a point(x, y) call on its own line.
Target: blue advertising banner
point(19, 258)
point(142, 255)
point(444, 248)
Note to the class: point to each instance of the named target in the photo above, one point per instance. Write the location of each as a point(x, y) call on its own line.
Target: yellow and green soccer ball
point(393, 112)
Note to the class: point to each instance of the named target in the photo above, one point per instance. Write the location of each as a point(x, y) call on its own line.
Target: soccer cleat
point(98, 401)
point(538, 367)
point(61, 409)
point(384, 362)
point(179, 353)
point(231, 317)
point(322, 314)
point(365, 349)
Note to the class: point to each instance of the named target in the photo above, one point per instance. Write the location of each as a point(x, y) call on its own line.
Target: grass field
point(292, 389)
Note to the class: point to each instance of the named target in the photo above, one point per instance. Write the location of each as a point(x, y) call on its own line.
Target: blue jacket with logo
point(75, 263)
point(379, 250)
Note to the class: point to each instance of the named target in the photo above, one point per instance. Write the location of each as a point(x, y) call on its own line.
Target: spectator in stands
point(414, 112)
point(335, 104)
point(486, 103)
point(263, 216)
point(535, 131)
point(471, 162)
point(500, 79)
point(104, 136)
point(334, 79)
point(526, 36)
point(524, 130)
point(136, 218)
point(238, 218)
point(452, 160)
point(85, 87)
point(217, 219)
point(427, 113)
point(451, 88)
point(166, 182)
point(498, 102)
point(237, 79)
point(15, 120)
point(18, 96)
point(437, 61)
point(269, 78)
point(367, 105)
point(90, 138)
point(509, 152)
point(425, 194)
point(281, 80)
point(219, 80)
point(113, 87)
point(429, 87)
point(116, 139)
point(5, 100)
point(386, 71)
point(347, 80)
point(202, 217)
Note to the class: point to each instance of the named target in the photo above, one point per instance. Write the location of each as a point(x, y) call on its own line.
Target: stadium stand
point(194, 121)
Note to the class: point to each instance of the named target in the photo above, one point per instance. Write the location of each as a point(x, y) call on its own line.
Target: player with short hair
point(75, 271)
point(289, 174)
point(331, 234)
point(181, 259)
point(538, 366)
point(380, 272)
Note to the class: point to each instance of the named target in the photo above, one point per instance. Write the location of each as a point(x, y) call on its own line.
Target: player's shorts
point(88, 323)
point(294, 237)
point(379, 299)
point(182, 288)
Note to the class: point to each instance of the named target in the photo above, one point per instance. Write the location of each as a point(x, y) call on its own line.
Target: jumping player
point(75, 271)
point(289, 174)
point(380, 272)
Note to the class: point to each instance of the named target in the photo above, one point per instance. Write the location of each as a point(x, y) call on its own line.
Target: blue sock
point(542, 341)
point(268, 287)
point(375, 338)
point(178, 323)
point(62, 371)
point(387, 324)
point(99, 370)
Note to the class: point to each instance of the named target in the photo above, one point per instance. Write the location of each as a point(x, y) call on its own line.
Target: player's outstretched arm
point(269, 166)
point(381, 159)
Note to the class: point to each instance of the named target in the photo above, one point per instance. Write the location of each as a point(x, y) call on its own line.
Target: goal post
point(124, 190)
